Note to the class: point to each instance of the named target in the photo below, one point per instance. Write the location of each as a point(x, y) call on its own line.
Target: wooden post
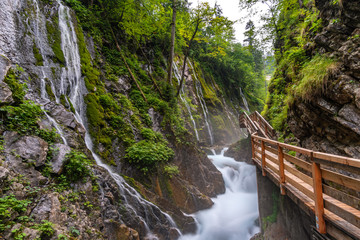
point(263, 163)
point(253, 147)
point(318, 193)
point(281, 169)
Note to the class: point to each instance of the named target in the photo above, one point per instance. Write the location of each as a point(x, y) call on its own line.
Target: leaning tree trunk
point(172, 44)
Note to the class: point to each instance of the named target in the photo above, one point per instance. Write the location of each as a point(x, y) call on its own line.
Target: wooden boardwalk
point(328, 186)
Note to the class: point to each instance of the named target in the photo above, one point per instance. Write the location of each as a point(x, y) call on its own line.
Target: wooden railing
point(246, 122)
point(328, 185)
point(266, 128)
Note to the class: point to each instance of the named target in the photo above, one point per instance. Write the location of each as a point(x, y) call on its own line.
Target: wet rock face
point(331, 122)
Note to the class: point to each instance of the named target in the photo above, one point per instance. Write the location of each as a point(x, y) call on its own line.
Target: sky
point(231, 10)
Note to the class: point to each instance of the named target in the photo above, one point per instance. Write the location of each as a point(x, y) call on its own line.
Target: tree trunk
point(172, 44)
point(185, 58)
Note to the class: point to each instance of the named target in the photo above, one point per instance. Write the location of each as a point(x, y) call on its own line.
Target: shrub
point(8, 206)
point(145, 155)
point(18, 89)
point(23, 119)
point(46, 228)
point(76, 166)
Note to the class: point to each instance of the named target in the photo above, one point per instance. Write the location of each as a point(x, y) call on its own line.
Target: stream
point(233, 215)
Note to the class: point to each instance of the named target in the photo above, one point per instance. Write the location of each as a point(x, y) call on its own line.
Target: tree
point(172, 44)
point(199, 16)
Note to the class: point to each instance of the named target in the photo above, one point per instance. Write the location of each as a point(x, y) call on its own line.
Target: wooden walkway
point(326, 185)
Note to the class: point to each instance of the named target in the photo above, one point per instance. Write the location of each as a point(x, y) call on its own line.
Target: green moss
point(63, 100)
point(72, 109)
point(87, 69)
point(95, 114)
point(38, 57)
point(18, 89)
point(218, 122)
point(49, 92)
point(54, 38)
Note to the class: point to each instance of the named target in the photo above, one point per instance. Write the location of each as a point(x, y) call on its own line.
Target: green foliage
point(171, 170)
point(18, 89)
point(314, 77)
point(9, 207)
point(46, 228)
point(76, 166)
point(24, 118)
point(145, 155)
point(149, 134)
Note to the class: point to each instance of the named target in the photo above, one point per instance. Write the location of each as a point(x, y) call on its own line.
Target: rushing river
point(233, 215)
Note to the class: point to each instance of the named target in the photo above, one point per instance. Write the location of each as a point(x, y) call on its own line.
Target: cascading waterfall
point(182, 94)
point(246, 105)
point(141, 213)
point(233, 215)
point(38, 40)
point(202, 103)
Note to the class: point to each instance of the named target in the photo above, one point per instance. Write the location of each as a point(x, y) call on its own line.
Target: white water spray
point(233, 215)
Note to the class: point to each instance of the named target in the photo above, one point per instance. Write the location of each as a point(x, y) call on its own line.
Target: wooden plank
point(343, 210)
point(299, 184)
point(297, 161)
point(273, 167)
point(297, 173)
point(285, 146)
point(342, 197)
point(341, 179)
point(272, 158)
point(319, 201)
point(338, 159)
point(272, 150)
point(339, 222)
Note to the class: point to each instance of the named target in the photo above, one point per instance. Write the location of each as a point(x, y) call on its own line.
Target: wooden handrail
point(308, 179)
point(269, 155)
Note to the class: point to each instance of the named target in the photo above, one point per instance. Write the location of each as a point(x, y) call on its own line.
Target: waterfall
point(202, 103)
point(182, 94)
point(38, 40)
point(141, 213)
point(244, 100)
point(233, 215)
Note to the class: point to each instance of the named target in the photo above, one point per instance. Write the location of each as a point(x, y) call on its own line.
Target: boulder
point(65, 117)
point(119, 231)
point(58, 158)
point(29, 148)
point(4, 173)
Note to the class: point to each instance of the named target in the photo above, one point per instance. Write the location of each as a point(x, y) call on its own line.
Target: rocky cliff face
point(45, 58)
point(330, 121)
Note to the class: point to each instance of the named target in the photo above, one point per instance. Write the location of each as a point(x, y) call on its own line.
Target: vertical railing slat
point(263, 163)
point(318, 194)
point(281, 169)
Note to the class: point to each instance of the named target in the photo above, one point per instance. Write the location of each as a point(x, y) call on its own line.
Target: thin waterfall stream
point(182, 94)
point(233, 215)
point(143, 213)
point(202, 103)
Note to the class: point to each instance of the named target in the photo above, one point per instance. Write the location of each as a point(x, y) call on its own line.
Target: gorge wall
point(70, 120)
point(321, 78)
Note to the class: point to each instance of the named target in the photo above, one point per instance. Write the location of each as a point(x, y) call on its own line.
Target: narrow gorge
point(87, 152)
